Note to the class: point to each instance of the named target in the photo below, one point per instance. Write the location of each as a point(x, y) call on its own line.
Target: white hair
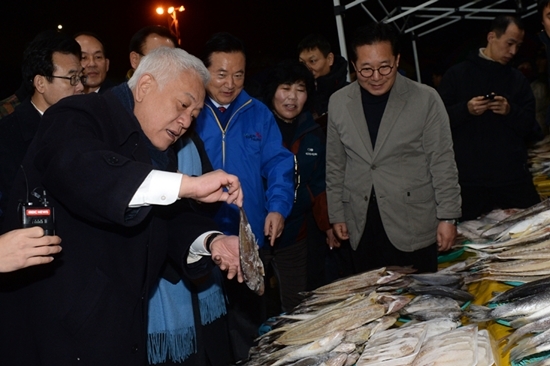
point(164, 63)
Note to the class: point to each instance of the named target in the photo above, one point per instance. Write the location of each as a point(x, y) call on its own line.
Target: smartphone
point(490, 96)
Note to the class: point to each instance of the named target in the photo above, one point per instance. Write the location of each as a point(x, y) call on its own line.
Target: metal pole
point(417, 66)
point(341, 36)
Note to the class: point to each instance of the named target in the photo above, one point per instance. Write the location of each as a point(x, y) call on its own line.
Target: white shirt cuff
point(158, 188)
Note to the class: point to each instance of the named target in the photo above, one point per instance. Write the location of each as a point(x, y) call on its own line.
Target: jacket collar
point(397, 101)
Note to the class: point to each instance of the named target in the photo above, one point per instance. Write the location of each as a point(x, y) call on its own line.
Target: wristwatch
point(450, 221)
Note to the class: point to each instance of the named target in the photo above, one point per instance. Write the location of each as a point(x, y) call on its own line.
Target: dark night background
point(271, 29)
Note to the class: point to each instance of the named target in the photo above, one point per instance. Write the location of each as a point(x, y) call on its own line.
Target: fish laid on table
point(531, 346)
point(524, 320)
point(362, 334)
point(251, 265)
point(477, 229)
point(430, 302)
point(438, 279)
point(526, 226)
point(537, 326)
point(456, 347)
point(320, 346)
point(453, 293)
point(348, 317)
point(451, 314)
point(517, 309)
point(518, 266)
point(353, 283)
point(541, 234)
point(521, 215)
point(261, 358)
point(476, 277)
point(529, 251)
point(524, 290)
point(393, 344)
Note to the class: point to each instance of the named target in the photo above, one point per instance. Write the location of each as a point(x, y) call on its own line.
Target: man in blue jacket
point(241, 136)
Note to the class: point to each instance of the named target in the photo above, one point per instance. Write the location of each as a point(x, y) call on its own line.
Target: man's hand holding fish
point(225, 253)
point(212, 187)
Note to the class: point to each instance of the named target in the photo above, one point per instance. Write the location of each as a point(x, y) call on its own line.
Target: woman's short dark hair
point(287, 72)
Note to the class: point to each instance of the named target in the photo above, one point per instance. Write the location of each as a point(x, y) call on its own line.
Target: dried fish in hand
point(251, 265)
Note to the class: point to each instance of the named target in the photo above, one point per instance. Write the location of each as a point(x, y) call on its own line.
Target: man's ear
point(491, 36)
point(39, 83)
point(134, 59)
point(330, 58)
point(107, 62)
point(143, 87)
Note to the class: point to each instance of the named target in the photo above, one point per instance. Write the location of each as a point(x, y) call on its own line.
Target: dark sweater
point(490, 149)
point(328, 84)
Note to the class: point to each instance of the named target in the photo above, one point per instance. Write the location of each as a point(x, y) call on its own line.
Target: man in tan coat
point(392, 182)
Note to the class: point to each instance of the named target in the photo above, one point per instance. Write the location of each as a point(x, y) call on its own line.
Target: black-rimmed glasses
point(74, 80)
point(382, 70)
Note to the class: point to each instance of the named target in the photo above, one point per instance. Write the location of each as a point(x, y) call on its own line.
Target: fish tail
point(478, 313)
point(519, 322)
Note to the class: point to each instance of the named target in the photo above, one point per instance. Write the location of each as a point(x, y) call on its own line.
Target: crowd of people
point(147, 179)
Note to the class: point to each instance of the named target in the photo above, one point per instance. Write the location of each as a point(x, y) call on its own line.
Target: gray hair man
point(109, 172)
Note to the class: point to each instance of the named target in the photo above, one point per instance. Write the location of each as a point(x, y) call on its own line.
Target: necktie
point(222, 109)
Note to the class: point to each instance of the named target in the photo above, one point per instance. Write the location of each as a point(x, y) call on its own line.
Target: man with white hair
point(108, 170)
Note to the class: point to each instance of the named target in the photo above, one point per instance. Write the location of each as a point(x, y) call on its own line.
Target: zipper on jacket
point(224, 130)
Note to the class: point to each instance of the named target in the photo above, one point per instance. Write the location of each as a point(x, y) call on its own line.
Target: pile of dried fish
point(350, 320)
point(339, 328)
point(514, 248)
point(527, 309)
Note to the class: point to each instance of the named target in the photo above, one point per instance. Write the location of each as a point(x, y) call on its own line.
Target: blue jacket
point(250, 147)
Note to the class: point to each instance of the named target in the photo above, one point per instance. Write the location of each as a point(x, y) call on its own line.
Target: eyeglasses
point(74, 80)
point(382, 70)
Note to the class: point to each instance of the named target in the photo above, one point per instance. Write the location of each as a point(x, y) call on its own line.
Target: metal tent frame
point(425, 17)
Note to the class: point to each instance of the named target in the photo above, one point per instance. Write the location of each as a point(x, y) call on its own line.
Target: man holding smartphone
point(492, 114)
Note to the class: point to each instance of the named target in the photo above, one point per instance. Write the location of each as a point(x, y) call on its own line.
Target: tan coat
point(412, 166)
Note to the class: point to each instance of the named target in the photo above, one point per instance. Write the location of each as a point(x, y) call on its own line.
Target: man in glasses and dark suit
point(51, 71)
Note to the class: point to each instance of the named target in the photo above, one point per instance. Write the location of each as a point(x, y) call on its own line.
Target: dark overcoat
point(89, 306)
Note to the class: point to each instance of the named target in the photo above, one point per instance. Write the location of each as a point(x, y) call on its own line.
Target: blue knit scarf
point(171, 325)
